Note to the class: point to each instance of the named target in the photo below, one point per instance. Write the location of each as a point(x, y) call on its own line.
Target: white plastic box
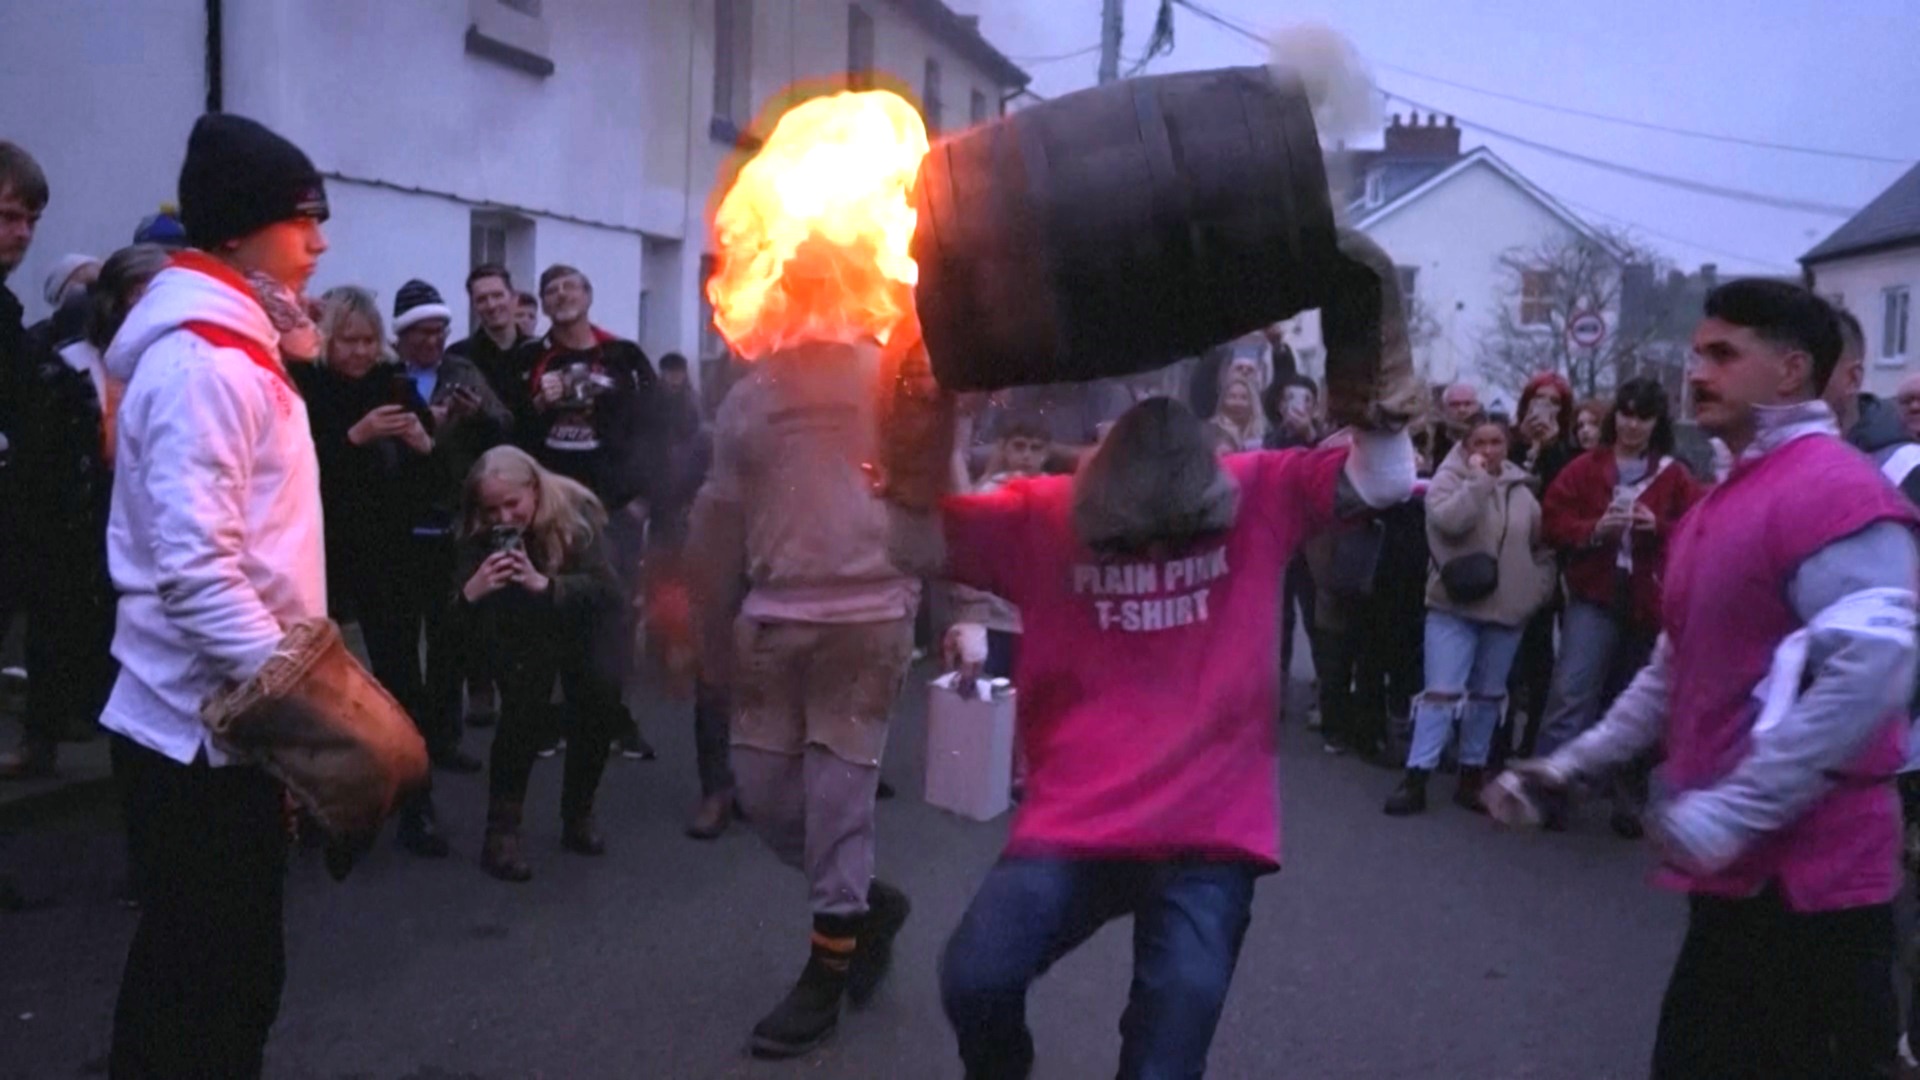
point(970, 749)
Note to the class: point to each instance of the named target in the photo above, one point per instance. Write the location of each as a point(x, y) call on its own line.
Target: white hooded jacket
point(214, 539)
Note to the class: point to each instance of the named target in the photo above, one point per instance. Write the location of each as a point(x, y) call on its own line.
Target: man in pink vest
point(1777, 693)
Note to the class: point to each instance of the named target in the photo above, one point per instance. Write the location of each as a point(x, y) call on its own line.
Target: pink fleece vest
point(1725, 610)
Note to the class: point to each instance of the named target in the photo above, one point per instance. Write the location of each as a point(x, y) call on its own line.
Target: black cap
point(239, 178)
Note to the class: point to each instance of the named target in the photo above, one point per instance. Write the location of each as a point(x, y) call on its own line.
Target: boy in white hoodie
point(214, 541)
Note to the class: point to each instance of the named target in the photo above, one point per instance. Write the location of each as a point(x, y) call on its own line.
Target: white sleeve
point(197, 470)
point(1380, 468)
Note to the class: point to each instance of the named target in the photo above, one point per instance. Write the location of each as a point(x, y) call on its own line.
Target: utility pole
point(1112, 15)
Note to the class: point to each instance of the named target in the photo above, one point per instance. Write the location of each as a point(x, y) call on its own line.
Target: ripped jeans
point(1467, 665)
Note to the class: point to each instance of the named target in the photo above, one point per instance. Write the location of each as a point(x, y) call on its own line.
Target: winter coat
point(374, 494)
point(1545, 468)
point(16, 361)
point(1576, 502)
point(66, 480)
point(214, 539)
point(458, 443)
point(1469, 512)
point(1881, 436)
point(578, 620)
point(505, 369)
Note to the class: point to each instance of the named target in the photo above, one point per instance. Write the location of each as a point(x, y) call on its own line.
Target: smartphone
point(400, 390)
point(1540, 409)
point(506, 538)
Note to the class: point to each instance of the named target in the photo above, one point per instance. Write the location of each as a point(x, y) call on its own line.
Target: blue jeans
point(1189, 919)
point(1467, 665)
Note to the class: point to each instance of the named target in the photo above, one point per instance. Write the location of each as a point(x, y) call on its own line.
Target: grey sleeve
point(1853, 680)
point(1379, 472)
point(1635, 722)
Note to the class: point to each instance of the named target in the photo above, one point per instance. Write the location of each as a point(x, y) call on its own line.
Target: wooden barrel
point(1119, 228)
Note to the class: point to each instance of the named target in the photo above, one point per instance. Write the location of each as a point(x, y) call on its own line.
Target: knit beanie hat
point(163, 228)
point(240, 178)
point(418, 301)
point(55, 287)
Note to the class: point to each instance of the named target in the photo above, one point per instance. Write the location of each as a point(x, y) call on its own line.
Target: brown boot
point(500, 854)
point(713, 817)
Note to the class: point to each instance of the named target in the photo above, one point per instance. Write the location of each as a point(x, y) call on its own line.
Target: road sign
point(1587, 329)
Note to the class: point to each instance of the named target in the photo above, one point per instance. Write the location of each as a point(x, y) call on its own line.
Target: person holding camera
point(376, 469)
point(537, 592)
point(1491, 573)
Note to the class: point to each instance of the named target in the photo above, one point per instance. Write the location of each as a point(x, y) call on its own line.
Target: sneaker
point(456, 760)
point(558, 744)
point(1333, 748)
point(884, 791)
point(713, 817)
point(420, 834)
point(634, 748)
point(1626, 825)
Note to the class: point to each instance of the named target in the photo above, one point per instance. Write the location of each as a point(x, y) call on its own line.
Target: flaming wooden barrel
point(1119, 228)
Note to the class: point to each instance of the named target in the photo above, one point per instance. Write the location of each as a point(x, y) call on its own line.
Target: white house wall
point(1859, 284)
point(102, 94)
point(1456, 234)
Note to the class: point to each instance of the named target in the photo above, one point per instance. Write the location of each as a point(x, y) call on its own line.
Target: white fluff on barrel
point(1335, 76)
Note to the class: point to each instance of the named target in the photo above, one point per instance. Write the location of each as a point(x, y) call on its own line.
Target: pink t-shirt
point(1147, 686)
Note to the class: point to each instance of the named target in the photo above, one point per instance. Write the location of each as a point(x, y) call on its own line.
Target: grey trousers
point(1599, 656)
point(815, 810)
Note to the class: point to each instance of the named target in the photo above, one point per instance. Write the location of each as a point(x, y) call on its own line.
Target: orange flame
point(812, 237)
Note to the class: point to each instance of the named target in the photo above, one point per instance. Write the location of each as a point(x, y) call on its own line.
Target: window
point(489, 243)
point(524, 7)
point(1536, 297)
point(1408, 275)
point(1893, 330)
point(930, 96)
point(732, 66)
point(1376, 189)
point(859, 48)
point(504, 239)
point(713, 347)
point(979, 107)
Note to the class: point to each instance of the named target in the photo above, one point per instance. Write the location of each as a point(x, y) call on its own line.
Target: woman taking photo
point(376, 470)
point(1240, 416)
point(537, 592)
point(1491, 573)
point(1609, 515)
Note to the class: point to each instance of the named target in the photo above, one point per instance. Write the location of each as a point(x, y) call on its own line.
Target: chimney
point(1709, 275)
point(971, 22)
point(1431, 141)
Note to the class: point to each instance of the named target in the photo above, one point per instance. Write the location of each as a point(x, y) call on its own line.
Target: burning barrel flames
point(811, 239)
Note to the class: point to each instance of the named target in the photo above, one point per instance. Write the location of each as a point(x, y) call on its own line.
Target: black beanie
point(418, 301)
point(240, 178)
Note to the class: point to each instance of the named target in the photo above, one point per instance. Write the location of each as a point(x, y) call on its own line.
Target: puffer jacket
point(1470, 511)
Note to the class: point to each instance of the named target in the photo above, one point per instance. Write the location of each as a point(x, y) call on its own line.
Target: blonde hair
point(1254, 431)
point(566, 515)
point(342, 302)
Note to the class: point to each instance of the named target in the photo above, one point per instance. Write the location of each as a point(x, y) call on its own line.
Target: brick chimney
point(1429, 141)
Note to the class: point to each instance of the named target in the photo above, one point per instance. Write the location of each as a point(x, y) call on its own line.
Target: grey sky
point(1775, 70)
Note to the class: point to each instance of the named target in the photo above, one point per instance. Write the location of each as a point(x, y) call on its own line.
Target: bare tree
point(1542, 289)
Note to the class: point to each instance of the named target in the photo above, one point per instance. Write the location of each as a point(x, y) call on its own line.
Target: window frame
point(1896, 325)
point(1536, 297)
point(932, 106)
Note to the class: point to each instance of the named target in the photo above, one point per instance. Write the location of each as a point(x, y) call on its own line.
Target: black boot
point(887, 911)
point(501, 854)
point(420, 832)
point(1467, 794)
point(811, 1009)
point(1411, 796)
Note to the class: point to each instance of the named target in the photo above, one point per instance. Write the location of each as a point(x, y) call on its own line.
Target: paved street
point(1432, 947)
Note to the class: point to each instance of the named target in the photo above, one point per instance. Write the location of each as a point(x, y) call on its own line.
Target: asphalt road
point(1431, 947)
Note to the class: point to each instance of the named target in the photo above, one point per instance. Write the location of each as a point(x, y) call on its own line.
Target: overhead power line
point(1670, 237)
point(1088, 51)
point(1642, 124)
point(1701, 187)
